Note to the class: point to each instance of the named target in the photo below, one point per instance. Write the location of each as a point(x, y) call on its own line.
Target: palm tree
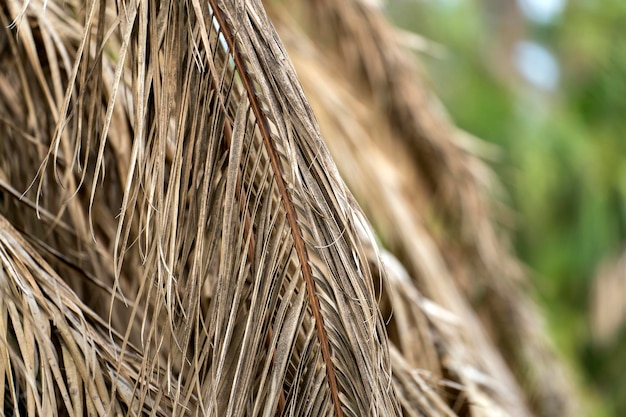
point(176, 239)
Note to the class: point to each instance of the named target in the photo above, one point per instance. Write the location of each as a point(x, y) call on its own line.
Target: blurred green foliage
point(565, 164)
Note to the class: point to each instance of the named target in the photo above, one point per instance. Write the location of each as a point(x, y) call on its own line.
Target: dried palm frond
point(389, 203)
point(56, 355)
point(419, 181)
point(176, 239)
point(183, 176)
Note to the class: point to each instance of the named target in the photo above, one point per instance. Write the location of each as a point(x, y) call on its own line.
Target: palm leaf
point(237, 270)
point(430, 198)
point(175, 238)
point(57, 357)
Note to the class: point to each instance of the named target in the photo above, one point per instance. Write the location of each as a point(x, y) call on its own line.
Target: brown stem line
point(292, 217)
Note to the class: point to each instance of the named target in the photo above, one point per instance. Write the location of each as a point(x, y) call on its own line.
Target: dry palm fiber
point(165, 132)
point(57, 356)
point(180, 171)
point(464, 353)
point(420, 182)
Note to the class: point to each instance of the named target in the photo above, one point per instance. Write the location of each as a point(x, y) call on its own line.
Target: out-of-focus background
point(545, 80)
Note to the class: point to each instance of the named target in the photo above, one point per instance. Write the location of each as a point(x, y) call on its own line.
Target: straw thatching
point(176, 239)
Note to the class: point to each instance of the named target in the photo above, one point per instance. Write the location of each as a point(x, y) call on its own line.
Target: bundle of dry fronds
point(422, 184)
point(175, 238)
